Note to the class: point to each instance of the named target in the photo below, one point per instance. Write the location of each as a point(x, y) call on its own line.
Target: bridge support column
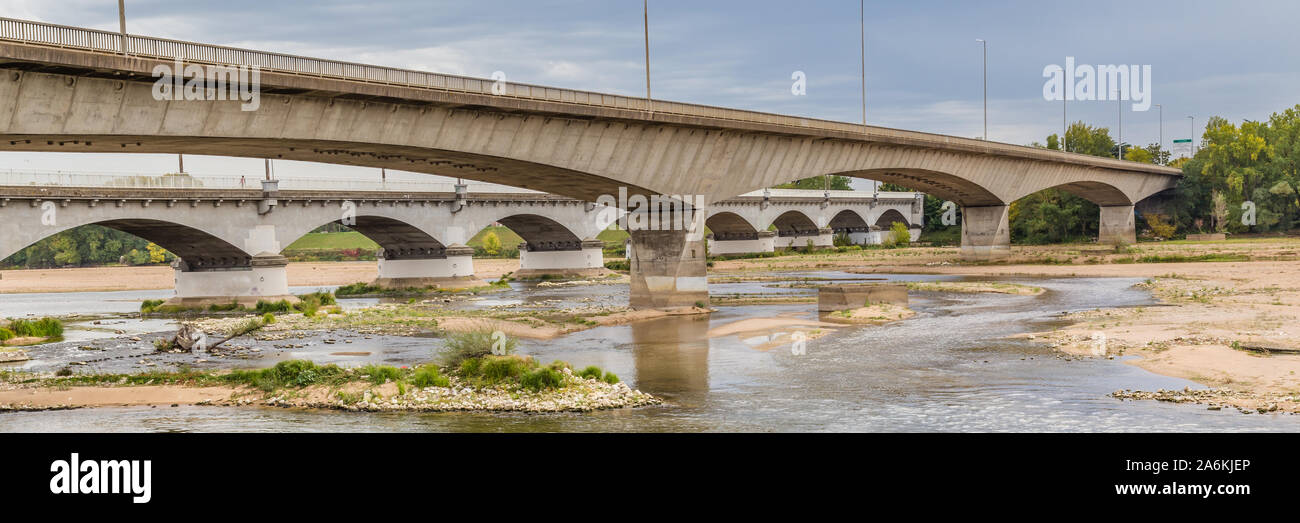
point(823, 239)
point(1117, 227)
point(668, 270)
point(586, 262)
point(762, 241)
point(985, 233)
point(264, 279)
point(454, 270)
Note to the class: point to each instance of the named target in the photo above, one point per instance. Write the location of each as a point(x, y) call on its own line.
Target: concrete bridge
point(72, 89)
point(229, 236)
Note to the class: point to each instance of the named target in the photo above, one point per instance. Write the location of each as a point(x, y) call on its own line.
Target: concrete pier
point(822, 239)
point(668, 270)
point(264, 279)
point(985, 233)
point(587, 262)
point(455, 268)
point(1117, 226)
point(761, 241)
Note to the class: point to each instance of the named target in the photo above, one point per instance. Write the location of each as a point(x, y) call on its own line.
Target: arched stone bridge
point(228, 241)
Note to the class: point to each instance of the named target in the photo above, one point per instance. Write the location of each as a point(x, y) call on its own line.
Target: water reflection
point(672, 357)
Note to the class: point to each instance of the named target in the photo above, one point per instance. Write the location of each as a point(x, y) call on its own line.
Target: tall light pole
point(1162, 130)
point(985, 45)
point(862, 31)
point(1119, 132)
point(1065, 125)
point(1191, 124)
point(645, 10)
point(121, 21)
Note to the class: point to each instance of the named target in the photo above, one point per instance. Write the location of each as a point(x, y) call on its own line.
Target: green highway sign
point(1189, 140)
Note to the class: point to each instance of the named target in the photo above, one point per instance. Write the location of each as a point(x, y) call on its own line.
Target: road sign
point(1189, 140)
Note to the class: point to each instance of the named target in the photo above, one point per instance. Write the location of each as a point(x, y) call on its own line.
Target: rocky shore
point(577, 395)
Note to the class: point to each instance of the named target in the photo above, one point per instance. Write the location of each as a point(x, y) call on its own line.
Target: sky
point(924, 67)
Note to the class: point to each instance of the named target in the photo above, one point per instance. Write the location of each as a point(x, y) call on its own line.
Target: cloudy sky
point(1238, 60)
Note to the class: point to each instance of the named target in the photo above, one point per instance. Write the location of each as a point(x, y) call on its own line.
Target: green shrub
point(232, 306)
point(290, 373)
point(590, 372)
point(268, 318)
point(381, 374)
point(542, 378)
point(149, 306)
point(322, 298)
point(496, 369)
point(42, 328)
point(272, 307)
point(899, 235)
point(460, 346)
point(356, 289)
point(6, 334)
point(429, 376)
point(611, 378)
point(618, 265)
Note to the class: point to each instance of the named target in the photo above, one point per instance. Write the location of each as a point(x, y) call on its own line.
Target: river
point(948, 369)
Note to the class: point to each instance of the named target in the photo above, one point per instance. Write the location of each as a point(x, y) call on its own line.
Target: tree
point(837, 183)
point(1085, 139)
point(491, 244)
point(1139, 155)
point(156, 254)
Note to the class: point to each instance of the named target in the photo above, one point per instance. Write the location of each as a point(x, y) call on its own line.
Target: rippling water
point(947, 369)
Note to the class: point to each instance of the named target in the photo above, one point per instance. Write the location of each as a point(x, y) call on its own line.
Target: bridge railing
point(15, 178)
point(79, 179)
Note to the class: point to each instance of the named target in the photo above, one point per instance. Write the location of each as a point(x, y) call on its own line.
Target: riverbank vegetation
point(23, 331)
point(492, 380)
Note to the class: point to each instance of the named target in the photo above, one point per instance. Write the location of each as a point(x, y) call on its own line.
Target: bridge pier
point(985, 233)
point(264, 279)
point(822, 239)
point(668, 270)
point(453, 267)
point(586, 261)
point(1117, 225)
point(761, 241)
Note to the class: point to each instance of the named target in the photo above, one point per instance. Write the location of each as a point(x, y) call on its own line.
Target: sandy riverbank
point(104, 279)
point(1212, 312)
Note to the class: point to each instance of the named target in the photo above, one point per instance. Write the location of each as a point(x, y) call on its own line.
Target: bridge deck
point(56, 48)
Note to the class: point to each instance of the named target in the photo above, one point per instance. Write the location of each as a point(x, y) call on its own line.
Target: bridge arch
point(197, 249)
point(541, 233)
point(888, 218)
point(1100, 193)
point(730, 226)
point(795, 223)
point(847, 221)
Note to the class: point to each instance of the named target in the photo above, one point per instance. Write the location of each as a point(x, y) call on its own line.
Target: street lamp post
point(645, 10)
point(1119, 132)
point(862, 31)
point(985, 45)
point(1191, 124)
point(121, 21)
point(1162, 125)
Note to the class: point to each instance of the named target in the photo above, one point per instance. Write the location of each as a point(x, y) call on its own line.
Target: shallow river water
point(947, 369)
